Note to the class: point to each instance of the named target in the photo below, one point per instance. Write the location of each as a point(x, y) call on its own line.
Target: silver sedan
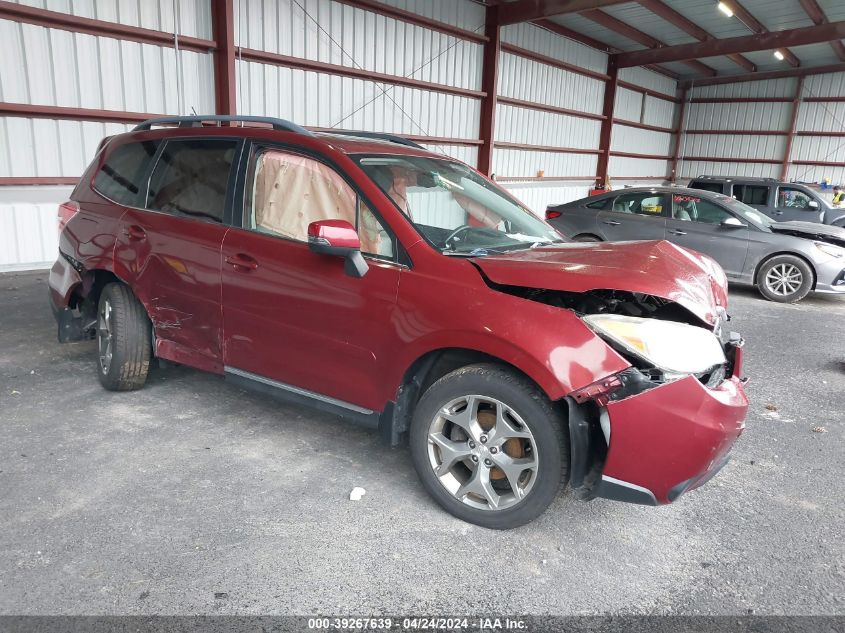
point(785, 260)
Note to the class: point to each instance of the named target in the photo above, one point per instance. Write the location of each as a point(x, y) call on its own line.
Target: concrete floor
point(192, 496)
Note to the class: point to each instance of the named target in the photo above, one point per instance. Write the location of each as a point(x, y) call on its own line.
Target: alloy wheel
point(784, 279)
point(482, 452)
point(105, 335)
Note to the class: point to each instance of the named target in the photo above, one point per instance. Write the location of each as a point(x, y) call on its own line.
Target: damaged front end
point(664, 425)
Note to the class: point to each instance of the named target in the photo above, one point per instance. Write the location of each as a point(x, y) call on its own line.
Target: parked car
point(781, 201)
point(785, 260)
point(402, 290)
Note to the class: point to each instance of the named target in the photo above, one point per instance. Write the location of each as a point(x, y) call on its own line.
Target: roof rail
point(393, 138)
point(198, 120)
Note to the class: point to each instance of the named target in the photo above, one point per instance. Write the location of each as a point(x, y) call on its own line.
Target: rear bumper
point(63, 279)
point(670, 439)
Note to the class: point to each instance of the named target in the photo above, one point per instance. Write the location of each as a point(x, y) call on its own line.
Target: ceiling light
point(779, 55)
point(725, 9)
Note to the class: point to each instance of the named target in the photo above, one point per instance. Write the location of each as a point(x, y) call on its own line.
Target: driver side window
point(793, 198)
point(289, 191)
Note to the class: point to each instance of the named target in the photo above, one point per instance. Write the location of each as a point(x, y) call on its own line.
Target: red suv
point(364, 275)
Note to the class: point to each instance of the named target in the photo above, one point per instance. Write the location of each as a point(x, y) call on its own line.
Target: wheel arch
point(575, 238)
point(764, 260)
point(430, 366)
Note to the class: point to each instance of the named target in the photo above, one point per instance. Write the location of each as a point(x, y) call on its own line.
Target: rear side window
point(640, 204)
point(602, 204)
point(121, 178)
point(715, 187)
point(751, 194)
point(191, 178)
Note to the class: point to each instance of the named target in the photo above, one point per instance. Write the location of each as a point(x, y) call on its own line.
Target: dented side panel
point(173, 265)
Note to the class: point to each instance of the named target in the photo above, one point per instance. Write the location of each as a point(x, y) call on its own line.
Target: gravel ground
point(192, 496)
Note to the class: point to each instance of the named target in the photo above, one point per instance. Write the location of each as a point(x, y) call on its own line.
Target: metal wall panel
point(693, 169)
point(535, 127)
point(739, 116)
point(821, 117)
point(829, 85)
point(45, 147)
point(632, 139)
point(816, 173)
point(336, 33)
point(55, 67)
point(770, 88)
point(539, 195)
point(821, 148)
point(465, 153)
point(28, 235)
point(628, 105)
point(624, 167)
point(728, 146)
point(659, 112)
point(524, 163)
point(550, 44)
point(522, 78)
point(194, 15)
point(317, 99)
point(649, 79)
point(462, 13)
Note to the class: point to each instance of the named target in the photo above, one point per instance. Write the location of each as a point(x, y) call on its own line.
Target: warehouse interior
point(553, 98)
point(196, 497)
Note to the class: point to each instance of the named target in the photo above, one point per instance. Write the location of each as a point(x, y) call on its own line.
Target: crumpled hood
point(661, 269)
point(813, 231)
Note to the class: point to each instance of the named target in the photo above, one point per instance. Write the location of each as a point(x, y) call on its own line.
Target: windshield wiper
point(476, 252)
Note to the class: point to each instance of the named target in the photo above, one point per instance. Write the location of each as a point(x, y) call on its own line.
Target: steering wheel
point(454, 234)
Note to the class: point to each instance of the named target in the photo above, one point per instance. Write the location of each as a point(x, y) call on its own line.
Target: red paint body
point(220, 296)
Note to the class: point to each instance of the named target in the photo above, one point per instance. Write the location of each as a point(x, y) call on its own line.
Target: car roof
point(698, 193)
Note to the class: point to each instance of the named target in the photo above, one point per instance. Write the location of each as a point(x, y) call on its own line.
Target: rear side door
point(697, 223)
point(796, 203)
point(294, 320)
point(170, 249)
point(759, 196)
point(634, 216)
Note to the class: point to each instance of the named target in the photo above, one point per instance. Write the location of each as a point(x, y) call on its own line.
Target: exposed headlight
point(674, 347)
point(830, 249)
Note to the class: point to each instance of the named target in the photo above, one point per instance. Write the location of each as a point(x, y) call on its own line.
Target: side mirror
point(732, 223)
point(338, 238)
point(813, 204)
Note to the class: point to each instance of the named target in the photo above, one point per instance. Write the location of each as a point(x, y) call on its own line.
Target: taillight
point(551, 215)
point(66, 211)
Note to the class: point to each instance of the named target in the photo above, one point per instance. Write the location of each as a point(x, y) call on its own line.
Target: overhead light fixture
point(779, 55)
point(725, 9)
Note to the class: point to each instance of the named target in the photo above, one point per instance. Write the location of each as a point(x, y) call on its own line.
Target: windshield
point(454, 208)
point(748, 213)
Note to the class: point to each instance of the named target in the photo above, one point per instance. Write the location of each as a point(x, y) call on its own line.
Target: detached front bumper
point(670, 439)
point(831, 277)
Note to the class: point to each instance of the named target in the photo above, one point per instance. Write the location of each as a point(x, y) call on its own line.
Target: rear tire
point(785, 279)
point(123, 339)
point(476, 419)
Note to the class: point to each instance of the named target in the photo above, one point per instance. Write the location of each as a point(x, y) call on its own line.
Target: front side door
point(171, 249)
point(294, 319)
point(697, 224)
point(794, 203)
point(634, 216)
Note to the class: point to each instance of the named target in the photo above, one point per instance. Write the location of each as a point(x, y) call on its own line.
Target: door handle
point(242, 261)
point(135, 232)
point(677, 232)
point(777, 212)
point(612, 222)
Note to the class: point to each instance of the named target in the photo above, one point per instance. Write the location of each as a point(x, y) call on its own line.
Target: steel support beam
point(626, 30)
point(812, 8)
point(388, 11)
point(663, 10)
point(529, 10)
point(603, 163)
point(223, 26)
point(676, 154)
point(755, 26)
point(744, 44)
point(489, 85)
point(775, 74)
point(790, 137)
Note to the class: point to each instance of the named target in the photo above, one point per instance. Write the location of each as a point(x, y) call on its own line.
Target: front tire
point(123, 339)
point(785, 279)
point(489, 447)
